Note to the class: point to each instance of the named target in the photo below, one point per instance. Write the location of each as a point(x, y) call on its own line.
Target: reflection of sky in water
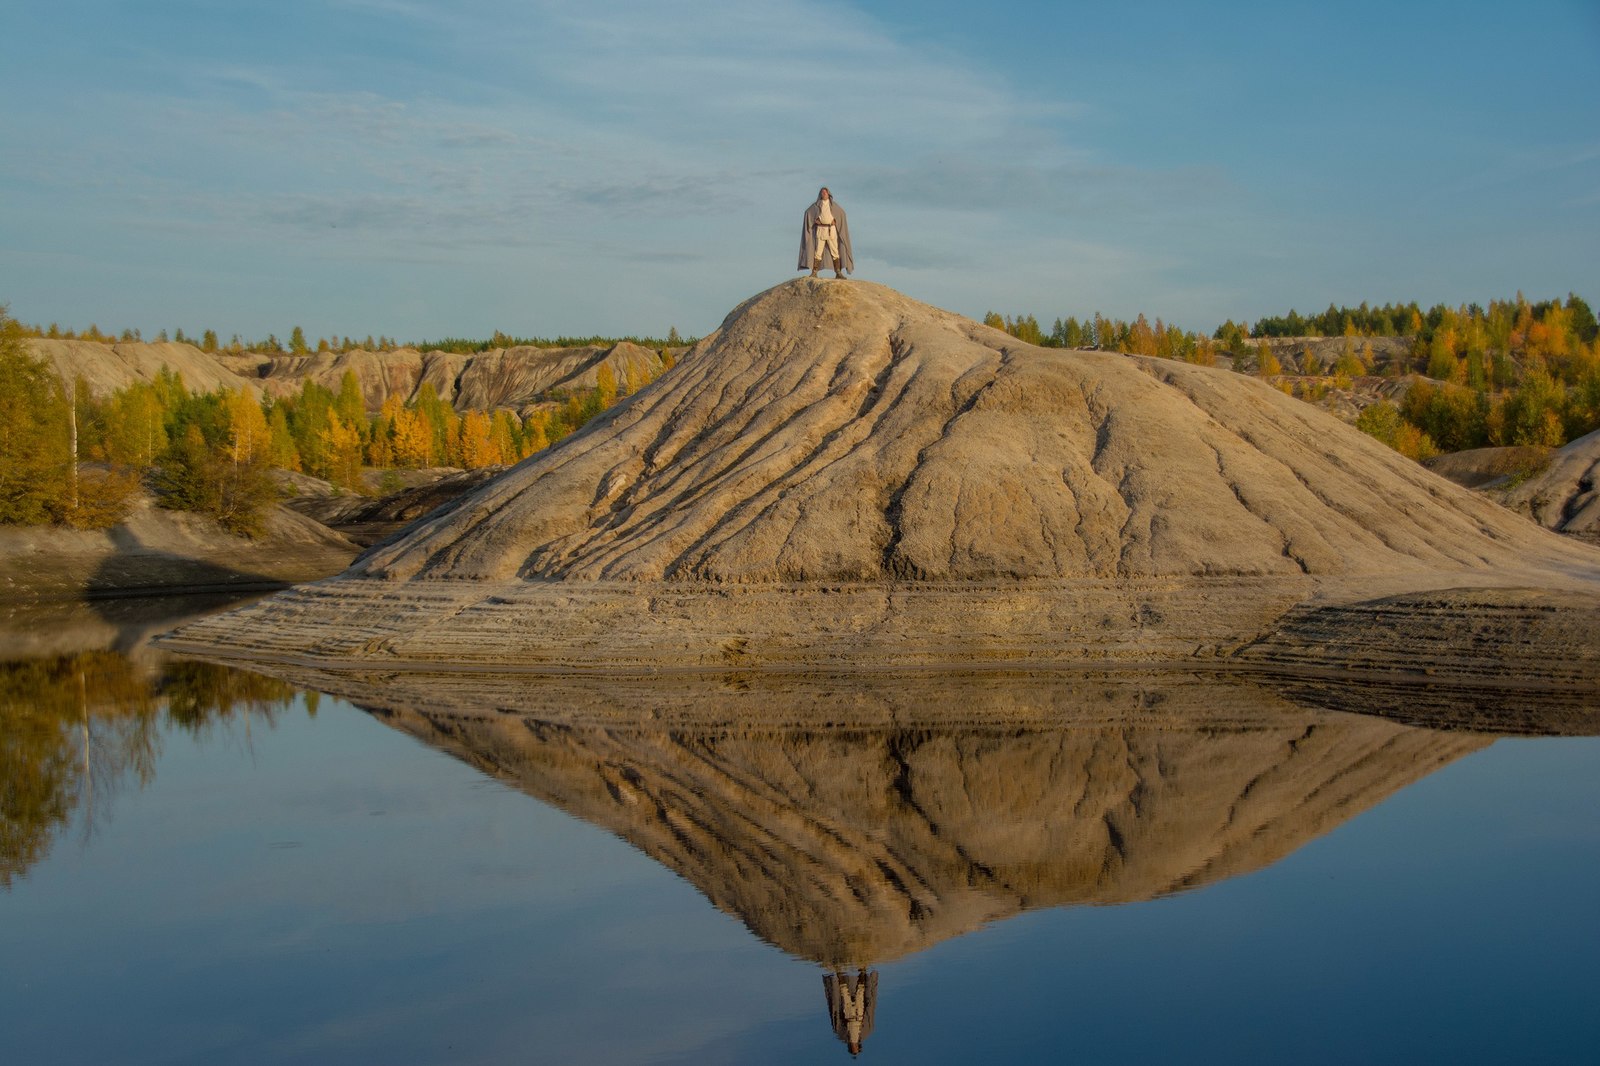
point(330, 889)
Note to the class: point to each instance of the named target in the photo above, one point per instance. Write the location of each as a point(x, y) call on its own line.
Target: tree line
point(297, 344)
point(1512, 373)
point(69, 457)
point(1408, 320)
point(1138, 337)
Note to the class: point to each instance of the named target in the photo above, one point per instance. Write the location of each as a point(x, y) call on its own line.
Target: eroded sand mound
point(1565, 495)
point(842, 474)
point(518, 378)
point(109, 367)
point(844, 432)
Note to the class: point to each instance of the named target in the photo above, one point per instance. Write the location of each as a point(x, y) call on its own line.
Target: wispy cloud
point(591, 140)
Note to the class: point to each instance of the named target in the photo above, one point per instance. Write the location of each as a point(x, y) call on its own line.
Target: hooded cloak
point(808, 237)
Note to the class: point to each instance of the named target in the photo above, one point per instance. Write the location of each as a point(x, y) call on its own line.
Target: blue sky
point(421, 169)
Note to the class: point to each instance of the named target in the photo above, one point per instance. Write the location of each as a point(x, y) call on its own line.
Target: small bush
point(104, 498)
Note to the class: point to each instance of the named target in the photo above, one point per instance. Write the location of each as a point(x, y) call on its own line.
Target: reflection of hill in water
point(860, 843)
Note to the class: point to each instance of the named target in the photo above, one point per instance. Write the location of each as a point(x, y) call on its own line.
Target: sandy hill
point(1292, 352)
point(109, 367)
point(66, 589)
point(1479, 467)
point(1565, 494)
point(155, 551)
point(836, 433)
point(842, 474)
point(515, 378)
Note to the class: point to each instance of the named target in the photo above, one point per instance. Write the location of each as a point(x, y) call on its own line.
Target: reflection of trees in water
point(76, 727)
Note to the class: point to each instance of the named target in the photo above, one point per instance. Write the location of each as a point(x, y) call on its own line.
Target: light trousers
point(826, 242)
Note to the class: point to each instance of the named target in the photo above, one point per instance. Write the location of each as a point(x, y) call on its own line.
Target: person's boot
point(816, 265)
point(836, 271)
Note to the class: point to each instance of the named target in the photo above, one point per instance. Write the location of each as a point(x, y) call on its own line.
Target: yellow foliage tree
point(634, 377)
point(393, 404)
point(249, 438)
point(136, 431)
point(380, 450)
point(413, 439)
point(452, 437)
point(1267, 364)
point(1204, 354)
point(342, 442)
point(281, 450)
point(605, 383)
point(505, 433)
point(1141, 339)
point(535, 433)
point(478, 448)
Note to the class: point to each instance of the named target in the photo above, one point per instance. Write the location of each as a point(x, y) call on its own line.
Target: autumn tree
point(1531, 414)
point(35, 452)
point(309, 412)
point(249, 436)
point(342, 447)
point(281, 451)
point(1141, 338)
point(413, 439)
point(350, 405)
point(605, 383)
point(1267, 364)
point(478, 447)
point(507, 435)
point(1349, 364)
point(535, 433)
point(196, 475)
point(1454, 416)
point(441, 420)
point(135, 427)
point(634, 377)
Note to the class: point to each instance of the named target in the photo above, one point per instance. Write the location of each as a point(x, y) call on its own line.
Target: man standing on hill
point(824, 229)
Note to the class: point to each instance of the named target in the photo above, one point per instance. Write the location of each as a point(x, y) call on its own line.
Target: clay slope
point(843, 432)
point(109, 367)
point(154, 551)
point(515, 378)
point(851, 847)
point(1565, 495)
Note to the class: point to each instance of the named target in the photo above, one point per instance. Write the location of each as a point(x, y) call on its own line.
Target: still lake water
point(242, 872)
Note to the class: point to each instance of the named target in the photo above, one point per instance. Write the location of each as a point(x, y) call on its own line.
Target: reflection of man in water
point(825, 230)
point(852, 1001)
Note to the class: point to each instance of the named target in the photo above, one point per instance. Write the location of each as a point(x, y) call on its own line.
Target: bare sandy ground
point(160, 552)
point(1565, 493)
